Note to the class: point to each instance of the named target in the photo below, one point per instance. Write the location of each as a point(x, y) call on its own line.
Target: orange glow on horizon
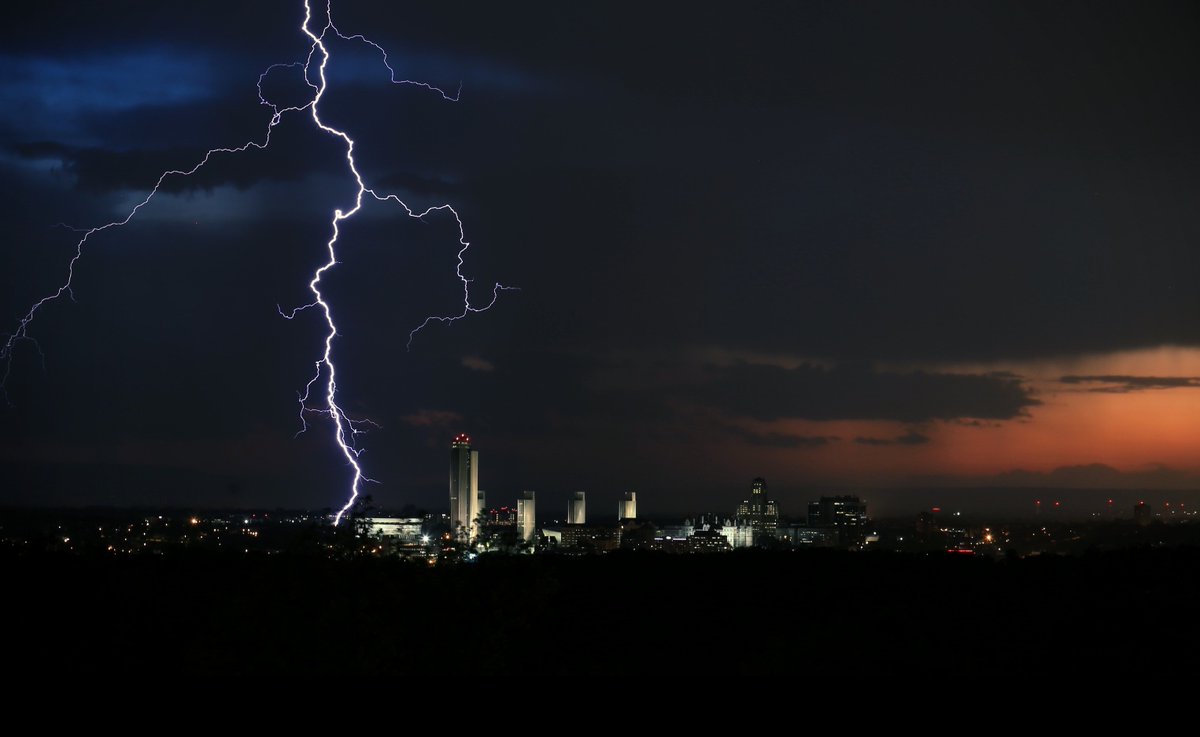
point(1135, 430)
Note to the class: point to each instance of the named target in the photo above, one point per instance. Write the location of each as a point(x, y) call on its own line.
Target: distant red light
point(935, 510)
point(1058, 504)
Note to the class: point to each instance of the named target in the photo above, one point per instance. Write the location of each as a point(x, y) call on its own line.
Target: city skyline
point(791, 241)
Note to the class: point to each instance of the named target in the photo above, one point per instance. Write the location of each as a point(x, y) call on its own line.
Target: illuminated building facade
point(577, 509)
point(596, 538)
point(405, 530)
point(502, 516)
point(739, 536)
point(526, 515)
point(627, 507)
point(737, 533)
point(759, 512)
point(801, 536)
point(707, 541)
point(465, 497)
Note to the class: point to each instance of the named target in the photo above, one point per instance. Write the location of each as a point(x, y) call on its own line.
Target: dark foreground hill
point(816, 613)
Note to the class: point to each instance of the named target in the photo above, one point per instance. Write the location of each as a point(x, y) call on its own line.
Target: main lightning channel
point(345, 427)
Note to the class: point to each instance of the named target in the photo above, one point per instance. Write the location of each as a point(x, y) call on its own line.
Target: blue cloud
point(106, 82)
point(41, 96)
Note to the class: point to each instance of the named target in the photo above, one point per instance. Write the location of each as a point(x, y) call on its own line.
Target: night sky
point(838, 245)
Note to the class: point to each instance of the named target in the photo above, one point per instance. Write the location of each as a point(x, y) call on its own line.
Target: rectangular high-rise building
point(465, 498)
point(526, 515)
point(845, 514)
point(577, 509)
point(759, 512)
point(627, 507)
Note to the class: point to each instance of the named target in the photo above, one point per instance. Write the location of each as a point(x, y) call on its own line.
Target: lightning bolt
point(345, 428)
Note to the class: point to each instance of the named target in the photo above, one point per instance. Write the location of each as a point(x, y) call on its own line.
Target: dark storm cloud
point(101, 170)
point(856, 393)
point(416, 182)
point(972, 423)
point(644, 392)
point(779, 439)
point(857, 182)
point(65, 88)
point(1120, 384)
point(905, 198)
point(433, 418)
point(463, 76)
point(912, 437)
point(1099, 475)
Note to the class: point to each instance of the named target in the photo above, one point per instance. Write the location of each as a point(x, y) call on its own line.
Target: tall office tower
point(526, 515)
point(577, 509)
point(627, 507)
point(465, 501)
point(846, 514)
point(759, 511)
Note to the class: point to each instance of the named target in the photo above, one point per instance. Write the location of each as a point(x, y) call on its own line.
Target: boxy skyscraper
point(464, 486)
